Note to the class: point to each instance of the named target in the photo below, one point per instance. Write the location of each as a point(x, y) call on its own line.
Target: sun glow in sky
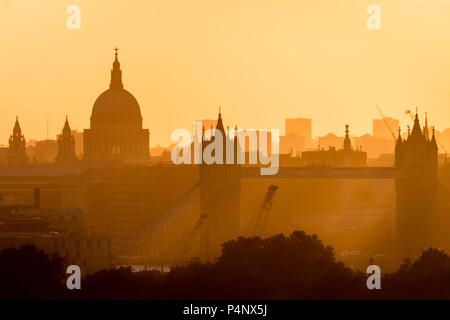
point(261, 60)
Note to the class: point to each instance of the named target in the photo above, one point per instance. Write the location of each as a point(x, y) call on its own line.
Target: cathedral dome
point(116, 108)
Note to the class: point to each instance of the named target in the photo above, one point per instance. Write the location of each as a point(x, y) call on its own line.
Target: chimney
point(37, 197)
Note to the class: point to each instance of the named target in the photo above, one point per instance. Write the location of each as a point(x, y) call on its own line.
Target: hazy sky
point(261, 60)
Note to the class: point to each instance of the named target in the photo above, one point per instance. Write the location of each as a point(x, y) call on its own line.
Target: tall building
point(16, 152)
point(301, 127)
point(45, 151)
point(116, 132)
point(380, 127)
point(417, 157)
point(66, 145)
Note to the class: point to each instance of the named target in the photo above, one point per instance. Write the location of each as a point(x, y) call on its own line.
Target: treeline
point(295, 267)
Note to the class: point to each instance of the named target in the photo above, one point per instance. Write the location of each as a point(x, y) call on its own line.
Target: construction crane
point(386, 123)
point(409, 112)
point(258, 223)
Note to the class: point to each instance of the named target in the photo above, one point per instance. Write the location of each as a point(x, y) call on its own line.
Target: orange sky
point(262, 60)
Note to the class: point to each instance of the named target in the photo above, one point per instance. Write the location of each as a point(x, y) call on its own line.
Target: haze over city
point(340, 191)
point(260, 60)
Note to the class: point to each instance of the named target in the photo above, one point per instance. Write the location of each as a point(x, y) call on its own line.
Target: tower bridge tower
point(417, 156)
point(220, 198)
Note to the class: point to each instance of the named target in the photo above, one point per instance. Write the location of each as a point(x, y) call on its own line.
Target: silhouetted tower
point(417, 157)
point(426, 132)
point(17, 151)
point(220, 197)
point(66, 145)
point(347, 141)
point(116, 73)
point(349, 157)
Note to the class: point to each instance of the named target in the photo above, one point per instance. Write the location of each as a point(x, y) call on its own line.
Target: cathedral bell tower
point(66, 145)
point(17, 155)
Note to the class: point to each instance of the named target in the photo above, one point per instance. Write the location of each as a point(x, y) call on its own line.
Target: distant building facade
point(292, 144)
point(61, 231)
point(372, 145)
point(330, 140)
point(380, 127)
point(345, 157)
point(375, 146)
point(45, 151)
point(301, 127)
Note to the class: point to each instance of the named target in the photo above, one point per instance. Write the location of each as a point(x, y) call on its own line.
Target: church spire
point(116, 73)
point(425, 129)
point(220, 126)
point(433, 142)
point(416, 131)
point(347, 141)
point(17, 131)
point(66, 128)
point(399, 139)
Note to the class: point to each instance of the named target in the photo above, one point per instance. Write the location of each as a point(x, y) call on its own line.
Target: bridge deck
point(324, 173)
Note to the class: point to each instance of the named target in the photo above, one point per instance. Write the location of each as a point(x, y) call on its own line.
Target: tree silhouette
point(279, 267)
point(427, 278)
point(299, 266)
point(28, 273)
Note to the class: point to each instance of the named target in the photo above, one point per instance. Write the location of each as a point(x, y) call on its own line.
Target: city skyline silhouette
point(276, 63)
point(225, 150)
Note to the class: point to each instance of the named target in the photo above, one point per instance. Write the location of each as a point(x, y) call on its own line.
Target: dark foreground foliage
point(279, 267)
point(29, 273)
point(427, 278)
